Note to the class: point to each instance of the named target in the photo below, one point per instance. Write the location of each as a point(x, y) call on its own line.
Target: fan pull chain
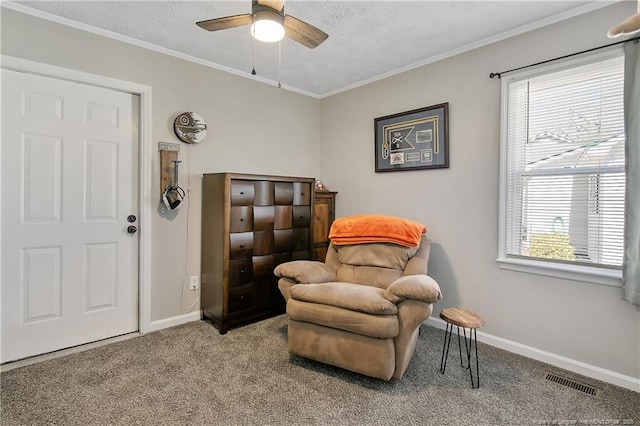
point(253, 52)
point(279, 63)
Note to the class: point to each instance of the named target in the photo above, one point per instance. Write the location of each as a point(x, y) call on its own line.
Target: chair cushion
point(372, 264)
point(377, 326)
point(368, 275)
point(381, 255)
point(417, 287)
point(306, 271)
point(354, 297)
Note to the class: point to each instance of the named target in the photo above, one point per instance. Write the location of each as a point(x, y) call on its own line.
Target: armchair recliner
point(362, 308)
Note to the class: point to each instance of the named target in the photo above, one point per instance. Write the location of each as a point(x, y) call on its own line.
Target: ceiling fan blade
point(303, 32)
point(226, 22)
point(273, 4)
point(629, 26)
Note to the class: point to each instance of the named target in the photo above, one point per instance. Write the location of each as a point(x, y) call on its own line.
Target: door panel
point(40, 283)
point(41, 178)
point(101, 177)
point(101, 282)
point(69, 181)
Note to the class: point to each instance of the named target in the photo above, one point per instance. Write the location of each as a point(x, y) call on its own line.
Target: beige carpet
point(191, 375)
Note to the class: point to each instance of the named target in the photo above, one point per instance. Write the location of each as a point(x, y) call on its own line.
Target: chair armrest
point(416, 287)
point(306, 271)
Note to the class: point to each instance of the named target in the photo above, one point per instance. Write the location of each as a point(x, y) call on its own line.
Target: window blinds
point(565, 165)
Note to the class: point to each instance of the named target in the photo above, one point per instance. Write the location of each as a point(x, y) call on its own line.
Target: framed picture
point(412, 140)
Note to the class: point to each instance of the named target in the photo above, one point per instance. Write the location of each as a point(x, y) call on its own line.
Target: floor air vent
point(590, 390)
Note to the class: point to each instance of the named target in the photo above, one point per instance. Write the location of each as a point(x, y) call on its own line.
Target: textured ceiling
point(367, 39)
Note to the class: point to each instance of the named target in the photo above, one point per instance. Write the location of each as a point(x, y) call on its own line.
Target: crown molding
point(580, 10)
point(145, 45)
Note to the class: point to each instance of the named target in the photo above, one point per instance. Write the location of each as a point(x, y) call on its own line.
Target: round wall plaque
point(190, 127)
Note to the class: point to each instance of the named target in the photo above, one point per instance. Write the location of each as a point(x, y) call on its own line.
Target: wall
point(253, 128)
point(459, 205)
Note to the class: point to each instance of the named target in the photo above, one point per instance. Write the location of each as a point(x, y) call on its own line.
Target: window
point(562, 170)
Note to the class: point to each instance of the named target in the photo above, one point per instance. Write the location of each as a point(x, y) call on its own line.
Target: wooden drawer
point(240, 272)
point(301, 216)
point(240, 245)
point(262, 294)
point(262, 243)
point(300, 239)
point(283, 217)
point(319, 254)
point(283, 193)
point(242, 192)
point(279, 258)
point(282, 240)
point(240, 298)
point(262, 267)
point(241, 219)
point(263, 193)
point(300, 255)
point(266, 294)
point(321, 222)
point(263, 218)
point(301, 194)
point(323, 215)
point(276, 296)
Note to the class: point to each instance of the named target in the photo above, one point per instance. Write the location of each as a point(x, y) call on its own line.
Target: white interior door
point(69, 183)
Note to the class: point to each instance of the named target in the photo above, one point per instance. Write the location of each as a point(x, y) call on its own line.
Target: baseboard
point(560, 361)
point(64, 352)
point(173, 321)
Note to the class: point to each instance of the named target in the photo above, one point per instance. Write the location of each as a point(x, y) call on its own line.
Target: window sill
point(610, 277)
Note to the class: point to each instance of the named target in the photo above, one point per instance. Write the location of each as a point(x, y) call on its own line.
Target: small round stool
point(465, 319)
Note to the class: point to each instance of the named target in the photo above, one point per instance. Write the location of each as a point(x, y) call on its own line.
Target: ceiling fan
point(269, 23)
point(631, 25)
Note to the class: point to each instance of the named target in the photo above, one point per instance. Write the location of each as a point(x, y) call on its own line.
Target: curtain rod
point(499, 74)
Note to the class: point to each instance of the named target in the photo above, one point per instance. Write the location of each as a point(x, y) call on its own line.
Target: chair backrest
point(377, 264)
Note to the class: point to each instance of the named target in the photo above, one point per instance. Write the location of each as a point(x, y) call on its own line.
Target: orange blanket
point(376, 229)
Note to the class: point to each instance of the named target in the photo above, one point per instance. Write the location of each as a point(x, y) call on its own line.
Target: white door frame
point(144, 162)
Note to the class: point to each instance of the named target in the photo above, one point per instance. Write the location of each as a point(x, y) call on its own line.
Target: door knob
point(131, 229)
point(131, 218)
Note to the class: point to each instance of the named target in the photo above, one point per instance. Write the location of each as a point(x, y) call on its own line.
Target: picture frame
point(413, 140)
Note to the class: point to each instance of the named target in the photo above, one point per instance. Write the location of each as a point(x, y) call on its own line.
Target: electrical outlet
point(194, 282)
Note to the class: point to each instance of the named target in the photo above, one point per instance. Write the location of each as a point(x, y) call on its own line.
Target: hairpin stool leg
point(473, 340)
point(446, 344)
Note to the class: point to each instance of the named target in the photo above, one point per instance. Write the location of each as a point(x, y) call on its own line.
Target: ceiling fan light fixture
point(267, 26)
